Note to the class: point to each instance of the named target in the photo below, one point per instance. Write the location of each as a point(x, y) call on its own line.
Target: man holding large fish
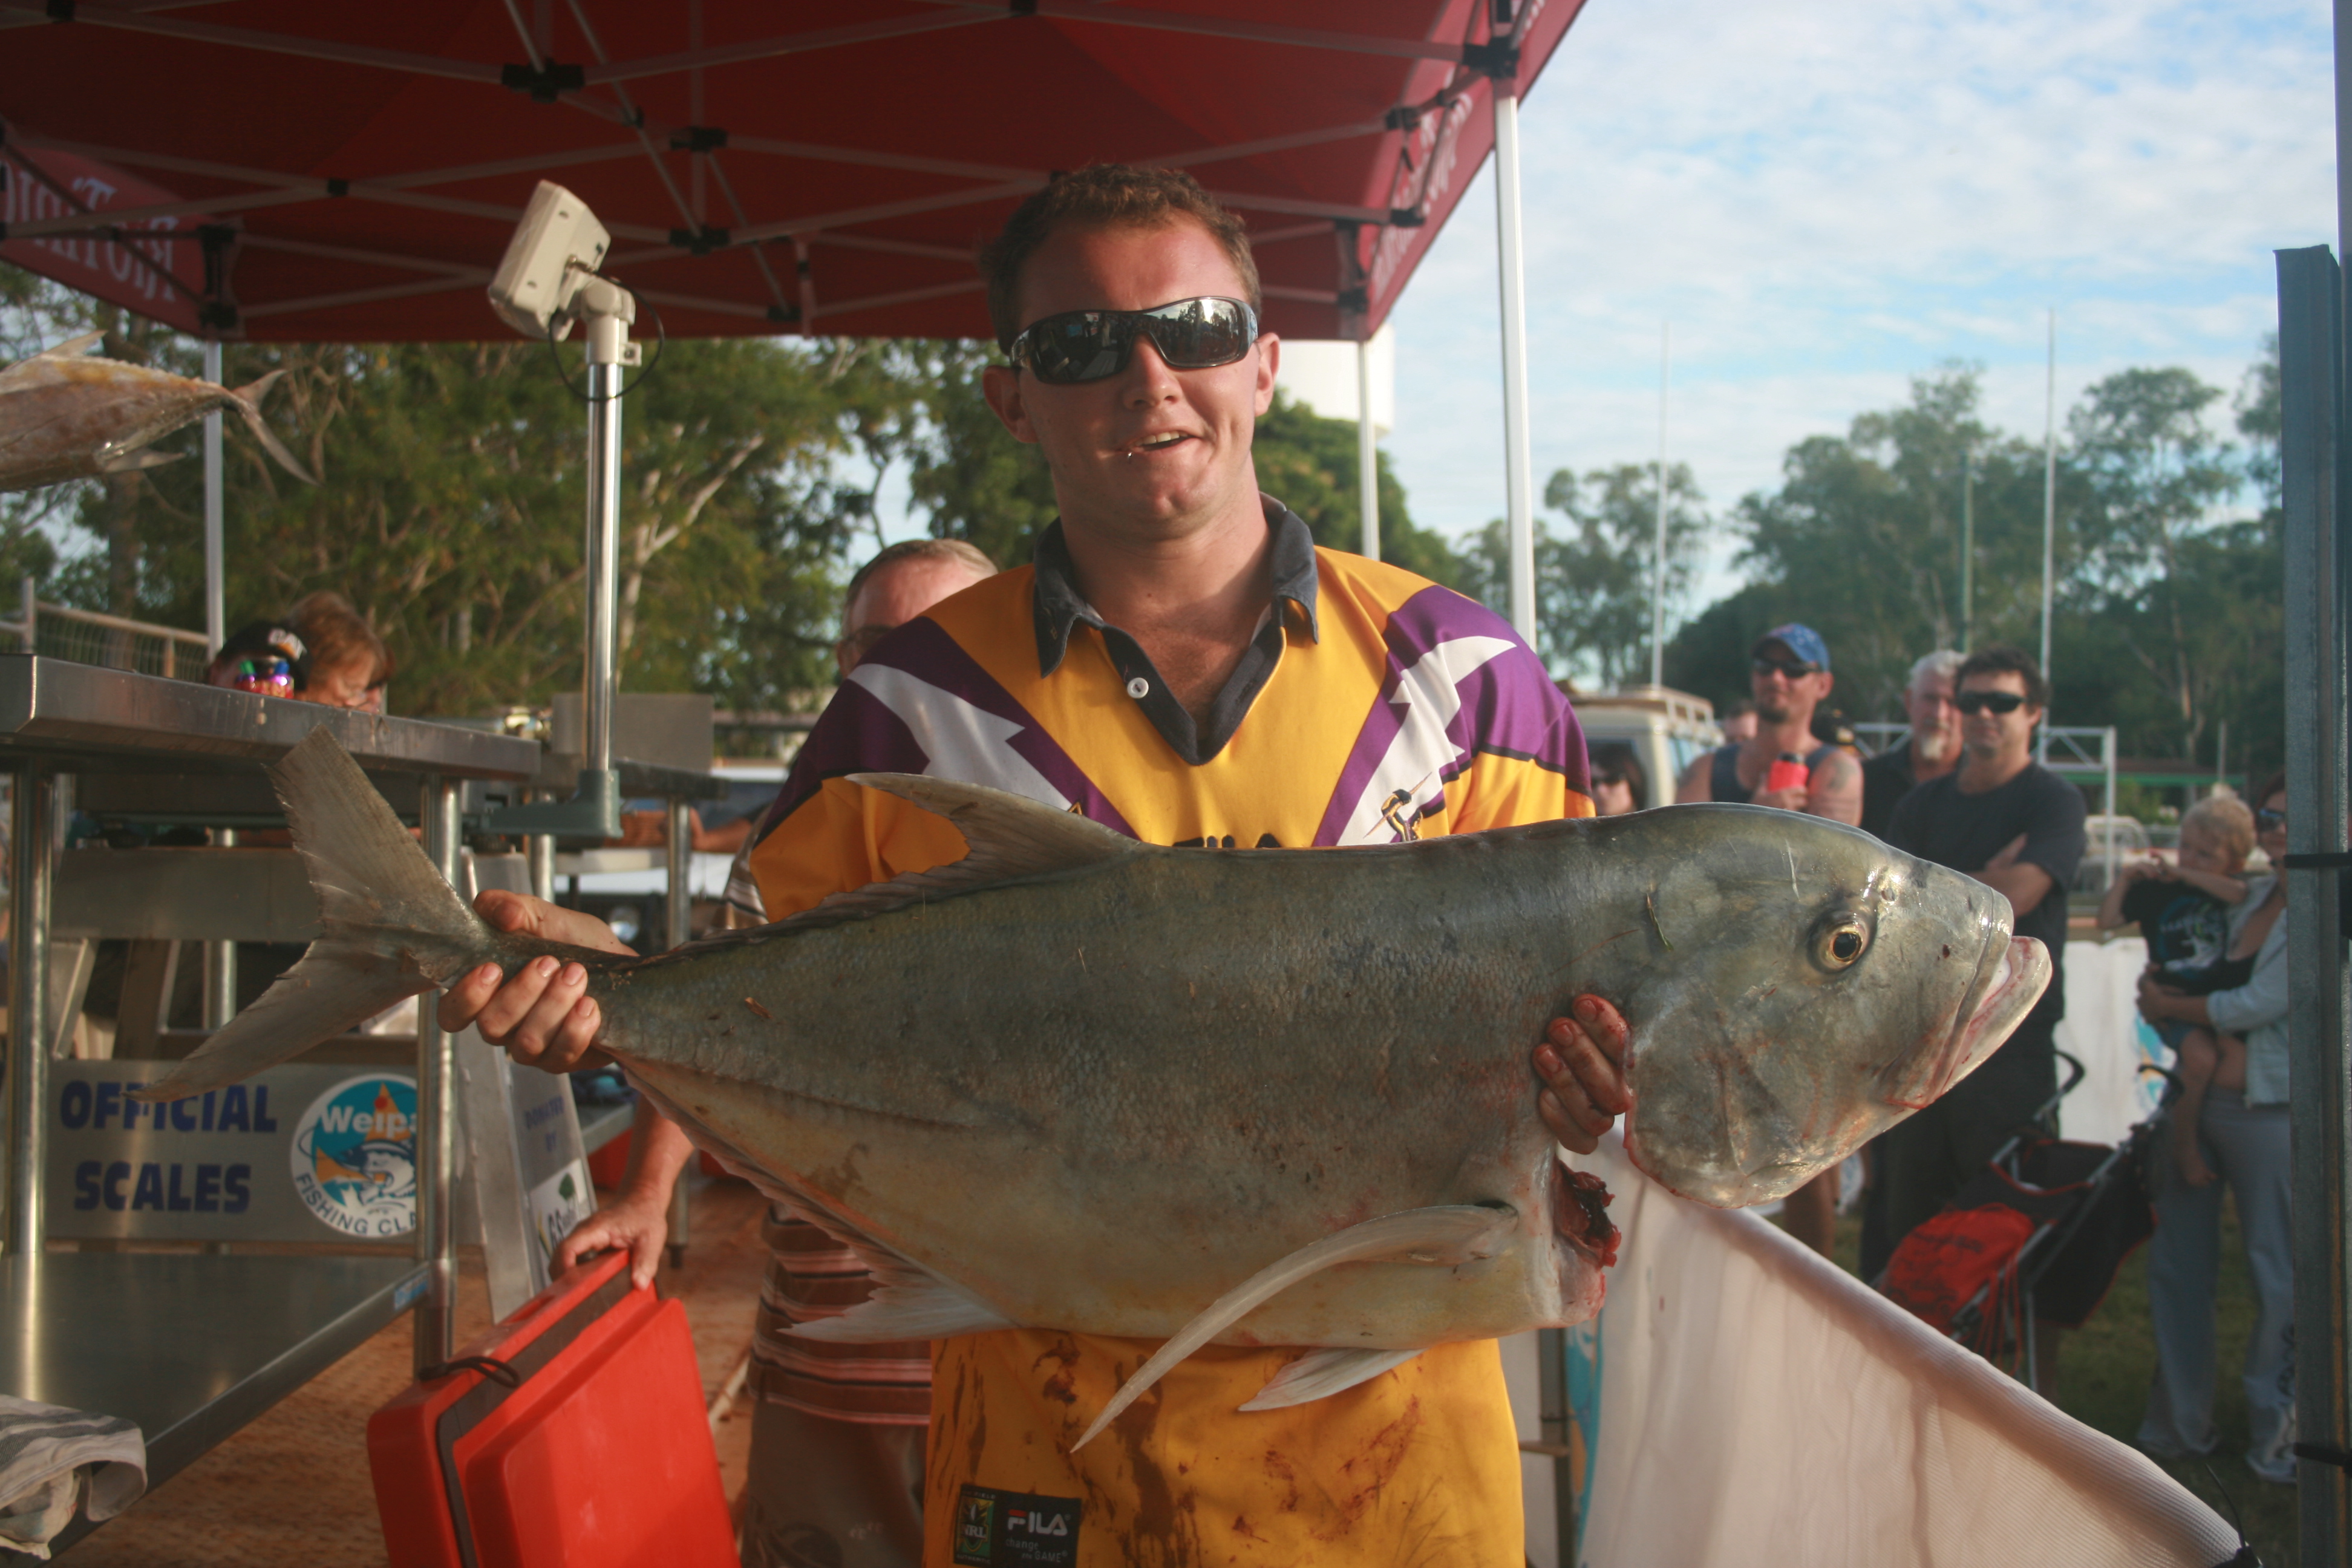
point(1139, 1134)
point(1181, 664)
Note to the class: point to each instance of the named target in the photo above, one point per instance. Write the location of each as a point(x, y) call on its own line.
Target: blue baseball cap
point(1803, 641)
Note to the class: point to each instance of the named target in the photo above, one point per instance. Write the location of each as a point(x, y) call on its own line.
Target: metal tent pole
point(33, 827)
point(437, 1111)
point(1967, 546)
point(219, 957)
point(1519, 461)
point(2317, 556)
point(1658, 550)
point(603, 543)
point(2049, 492)
point(1368, 456)
point(216, 553)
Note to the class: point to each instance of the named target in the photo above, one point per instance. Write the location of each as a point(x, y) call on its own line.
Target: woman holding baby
point(2229, 1018)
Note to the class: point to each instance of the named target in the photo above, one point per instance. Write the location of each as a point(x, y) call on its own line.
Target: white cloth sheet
point(1747, 1402)
point(51, 1458)
point(2102, 1028)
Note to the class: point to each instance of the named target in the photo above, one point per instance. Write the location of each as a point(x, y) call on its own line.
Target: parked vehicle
point(1666, 729)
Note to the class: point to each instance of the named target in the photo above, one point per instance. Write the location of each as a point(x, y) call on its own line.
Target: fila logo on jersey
point(996, 1528)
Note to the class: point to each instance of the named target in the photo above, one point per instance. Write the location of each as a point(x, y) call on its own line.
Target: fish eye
point(1842, 939)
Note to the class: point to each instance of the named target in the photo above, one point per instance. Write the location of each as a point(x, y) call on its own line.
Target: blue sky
point(1827, 199)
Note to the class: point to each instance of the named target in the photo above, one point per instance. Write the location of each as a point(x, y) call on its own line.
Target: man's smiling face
point(1148, 452)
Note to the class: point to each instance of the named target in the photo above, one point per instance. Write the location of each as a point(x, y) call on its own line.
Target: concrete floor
point(292, 1490)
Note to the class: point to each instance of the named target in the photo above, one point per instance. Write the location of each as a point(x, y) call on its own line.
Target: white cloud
point(1828, 200)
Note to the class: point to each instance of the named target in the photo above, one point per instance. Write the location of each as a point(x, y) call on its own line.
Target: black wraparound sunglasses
point(1999, 701)
point(2266, 819)
point(1076, 346)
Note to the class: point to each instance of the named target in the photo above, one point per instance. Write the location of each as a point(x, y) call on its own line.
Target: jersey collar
point(1059, 605)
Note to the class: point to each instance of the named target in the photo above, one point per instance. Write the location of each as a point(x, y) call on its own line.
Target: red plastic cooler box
point(572, 1435)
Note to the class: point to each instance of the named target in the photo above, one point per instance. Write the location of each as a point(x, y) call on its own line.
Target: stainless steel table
point(190, 1347)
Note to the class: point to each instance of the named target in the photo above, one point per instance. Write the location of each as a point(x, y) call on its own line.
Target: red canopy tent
point(278, 169)
point(286, 170)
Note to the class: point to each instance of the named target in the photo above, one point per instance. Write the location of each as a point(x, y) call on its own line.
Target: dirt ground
point(291, 1491)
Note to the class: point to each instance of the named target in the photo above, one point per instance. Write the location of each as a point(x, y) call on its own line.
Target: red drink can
point(1788, 772)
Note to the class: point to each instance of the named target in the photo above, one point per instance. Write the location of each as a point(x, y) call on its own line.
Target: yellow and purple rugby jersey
point(1374, 706)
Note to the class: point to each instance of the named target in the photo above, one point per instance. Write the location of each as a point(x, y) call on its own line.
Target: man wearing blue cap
point(1790, 675)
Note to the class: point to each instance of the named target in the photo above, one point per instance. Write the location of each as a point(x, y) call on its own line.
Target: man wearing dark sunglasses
point(1789, 672)
point(2018, 827)
point(1182, 664)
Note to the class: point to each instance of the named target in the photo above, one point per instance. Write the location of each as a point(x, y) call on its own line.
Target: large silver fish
point(1258, 1097)
point(64, 416)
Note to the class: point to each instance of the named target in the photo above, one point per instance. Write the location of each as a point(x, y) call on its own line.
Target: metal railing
point(89, 637)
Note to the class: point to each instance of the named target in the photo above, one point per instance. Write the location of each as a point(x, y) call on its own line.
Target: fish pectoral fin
point(131, 462)
point(908, 1308)
point(1318, 1375)
point(1446, 1233)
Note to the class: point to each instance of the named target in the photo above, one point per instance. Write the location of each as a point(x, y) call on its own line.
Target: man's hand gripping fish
point(1242, 1097)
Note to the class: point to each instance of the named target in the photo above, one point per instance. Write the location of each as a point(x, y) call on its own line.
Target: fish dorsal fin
point(1011, 839)
point(1446, 1233)
point(1011, 835)
point(68, 349)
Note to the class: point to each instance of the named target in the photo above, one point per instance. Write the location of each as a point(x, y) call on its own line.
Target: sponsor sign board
point(301, 1153)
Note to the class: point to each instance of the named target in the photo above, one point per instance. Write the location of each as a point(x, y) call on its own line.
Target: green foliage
point(975, 480)
point(2167, 612)
point(451, 508)
point(1863, 538)
point(1309, 464)
point(1707, 657)
point(1593, 581)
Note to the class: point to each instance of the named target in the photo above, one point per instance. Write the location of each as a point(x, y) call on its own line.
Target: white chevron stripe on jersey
point(1429, 695)
point(960, 741)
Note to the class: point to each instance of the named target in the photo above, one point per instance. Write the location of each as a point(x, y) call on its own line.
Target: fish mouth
point(2011, 978)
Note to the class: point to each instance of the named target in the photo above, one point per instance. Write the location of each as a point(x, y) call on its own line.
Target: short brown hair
point(959, 550)
point(2226, 817)
point(1999, 659)
point(338, 635)
point(1104, 196)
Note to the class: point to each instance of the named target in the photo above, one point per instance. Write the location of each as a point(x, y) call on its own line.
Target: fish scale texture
point(1165, 1072)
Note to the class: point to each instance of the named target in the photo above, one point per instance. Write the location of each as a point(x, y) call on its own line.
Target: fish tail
point(390, 927)
point(248, 404)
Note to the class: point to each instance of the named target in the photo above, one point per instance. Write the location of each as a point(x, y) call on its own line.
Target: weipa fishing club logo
point(354, 1156)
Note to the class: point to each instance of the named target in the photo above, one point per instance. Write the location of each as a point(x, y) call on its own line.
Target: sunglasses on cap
point(1076, 346)
point(1788, 669)
point(1974, 702)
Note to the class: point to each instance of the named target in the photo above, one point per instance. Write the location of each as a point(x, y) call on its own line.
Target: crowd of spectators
point(1962, 789)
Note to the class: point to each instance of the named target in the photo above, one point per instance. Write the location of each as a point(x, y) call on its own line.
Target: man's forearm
point(658, 1151)
point(2024, 886)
